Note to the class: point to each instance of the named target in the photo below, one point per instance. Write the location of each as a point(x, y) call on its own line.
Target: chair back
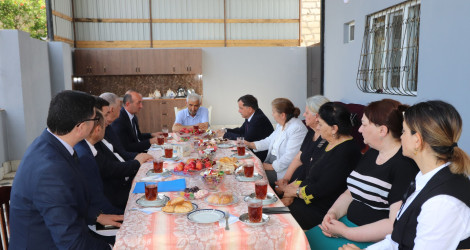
point(5, 215)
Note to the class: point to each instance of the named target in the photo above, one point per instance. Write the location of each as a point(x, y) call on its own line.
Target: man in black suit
point(50, 198)
point(127, 126)
point(256, 126)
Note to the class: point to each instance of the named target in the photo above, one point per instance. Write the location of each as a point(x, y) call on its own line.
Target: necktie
point(246, 127)
point(75, 156)
point(134, 126)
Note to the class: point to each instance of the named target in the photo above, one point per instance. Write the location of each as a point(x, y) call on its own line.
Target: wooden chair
point(4, 215)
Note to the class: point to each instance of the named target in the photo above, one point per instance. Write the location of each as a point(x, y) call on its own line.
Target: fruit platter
point(192, 166)
point(194, 193)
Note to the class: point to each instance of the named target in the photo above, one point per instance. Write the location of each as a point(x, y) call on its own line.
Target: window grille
point(388, 62)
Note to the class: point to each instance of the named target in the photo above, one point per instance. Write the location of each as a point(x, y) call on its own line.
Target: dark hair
point(440, 126)
point(387, 112)
point(67, 109)
point(100, 103)
point(284, 105)
point(337, 114)
point(249, 101)
point(101, 121)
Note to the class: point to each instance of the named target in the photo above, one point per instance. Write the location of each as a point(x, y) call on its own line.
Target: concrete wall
point(60, 56)
point(443, 54)
point(25, 89)
point(265, 72)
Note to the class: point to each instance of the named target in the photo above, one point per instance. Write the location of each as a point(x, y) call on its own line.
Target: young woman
point(284, 143)
point(366, 211)
point(436, 213)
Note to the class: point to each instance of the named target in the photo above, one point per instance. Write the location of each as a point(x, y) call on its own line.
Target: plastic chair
point(4, 215)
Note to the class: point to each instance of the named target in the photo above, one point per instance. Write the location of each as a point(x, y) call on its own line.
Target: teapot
point(181, 92)
point(170, 93)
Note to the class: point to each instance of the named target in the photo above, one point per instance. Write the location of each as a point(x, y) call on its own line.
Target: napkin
point(163, 186)
point(231, 219)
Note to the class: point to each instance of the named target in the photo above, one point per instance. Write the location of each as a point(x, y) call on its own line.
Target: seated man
point(50, 197)
point(127, 126)
point(110, 138)
point(256, 126)
point(194, 114)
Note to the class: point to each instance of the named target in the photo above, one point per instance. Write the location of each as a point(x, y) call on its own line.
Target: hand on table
point(221, 132)
point(331, 227)
point(203, 126)
point(291, 190)
point(110, 219)
point(156, 134)
point(287, 201)
point(143, 157)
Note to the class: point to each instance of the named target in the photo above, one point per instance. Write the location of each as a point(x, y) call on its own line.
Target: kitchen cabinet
point(158, 113)
point(137, 61)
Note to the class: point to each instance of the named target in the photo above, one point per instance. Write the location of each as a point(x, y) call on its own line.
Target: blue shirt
point(184, 118)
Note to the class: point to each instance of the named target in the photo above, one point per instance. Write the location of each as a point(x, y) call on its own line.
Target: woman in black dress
point(310, 199)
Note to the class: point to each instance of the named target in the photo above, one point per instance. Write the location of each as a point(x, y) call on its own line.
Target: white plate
point(165, 173)
point(194, 209)
point(159, 202)
point(235, 201)
point(226, 145)
point(242, 157)
point(270, 198)
point(255, 177)
point(206, 216)
point(244, 218)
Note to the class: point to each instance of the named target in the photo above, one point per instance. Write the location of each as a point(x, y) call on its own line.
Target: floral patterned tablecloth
point(163, 231)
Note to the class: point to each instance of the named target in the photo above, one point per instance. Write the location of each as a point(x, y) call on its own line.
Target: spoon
point(227, 215)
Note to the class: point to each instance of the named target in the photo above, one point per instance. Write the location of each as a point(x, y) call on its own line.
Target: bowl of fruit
point(192, 166)
point(212, 179)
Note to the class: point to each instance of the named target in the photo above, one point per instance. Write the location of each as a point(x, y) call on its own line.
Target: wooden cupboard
point(137, 61)
point(157, 113)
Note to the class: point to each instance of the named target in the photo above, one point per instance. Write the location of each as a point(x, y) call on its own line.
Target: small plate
point(235, 201)
point(194, 209)
point(226, 145)
point(246, 156)
point(206, 216)
point(159, 202)
point(270, 198)
point(244, 218)
point(174, 158)
point(165, 173)
point(255, 177)
point(155, 146)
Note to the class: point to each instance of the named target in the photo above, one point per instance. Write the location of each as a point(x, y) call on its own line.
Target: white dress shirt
point(110, 146)
point(92, 148)
point(443, 222)
point(131, 116)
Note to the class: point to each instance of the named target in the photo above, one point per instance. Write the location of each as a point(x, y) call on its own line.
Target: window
point(349, 32)
point(389, 57)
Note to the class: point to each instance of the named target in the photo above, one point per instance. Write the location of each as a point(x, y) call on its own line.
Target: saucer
point(165, 173)
point(244, 218)
point(246, 156)
point(159, 202)
point(255, 177)
point(270, 198)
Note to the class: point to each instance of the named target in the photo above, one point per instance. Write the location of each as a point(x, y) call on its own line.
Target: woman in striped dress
point(365, 212)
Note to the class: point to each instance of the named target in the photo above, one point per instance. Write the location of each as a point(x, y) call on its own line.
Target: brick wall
point(310, 22)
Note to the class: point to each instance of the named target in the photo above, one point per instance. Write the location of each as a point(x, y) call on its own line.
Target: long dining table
point(159, 230)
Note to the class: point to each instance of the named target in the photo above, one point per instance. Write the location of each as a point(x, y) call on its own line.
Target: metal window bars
point(388, 63)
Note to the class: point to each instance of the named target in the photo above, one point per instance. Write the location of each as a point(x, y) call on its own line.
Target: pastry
point(176, 201)
point(168, 209)
point(220, 198)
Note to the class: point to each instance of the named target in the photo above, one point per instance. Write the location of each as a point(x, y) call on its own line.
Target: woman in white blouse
point(436, 211)
point(284, 143)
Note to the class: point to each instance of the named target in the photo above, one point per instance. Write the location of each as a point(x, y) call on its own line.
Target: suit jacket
point(290, 141)
point(255, 130)
point(112, 138)
point(122, 126)
point(98, 201)
point(113, 173)
point(49, 200)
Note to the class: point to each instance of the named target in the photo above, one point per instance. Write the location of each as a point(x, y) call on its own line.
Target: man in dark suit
point(50, 198)
point(127, 125)
point(256, 126)
point(114, 109)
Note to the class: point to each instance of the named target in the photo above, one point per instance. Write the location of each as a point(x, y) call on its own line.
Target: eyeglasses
point(96, 119)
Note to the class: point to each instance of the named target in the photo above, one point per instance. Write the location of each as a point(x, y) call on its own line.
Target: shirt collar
point(422, 179)
point(130, 115)
point(249, 119)
point(92, 148)
point(66, 145)
point(197, 112)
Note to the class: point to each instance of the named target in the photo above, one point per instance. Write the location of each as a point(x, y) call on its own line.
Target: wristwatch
point(297, 193)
